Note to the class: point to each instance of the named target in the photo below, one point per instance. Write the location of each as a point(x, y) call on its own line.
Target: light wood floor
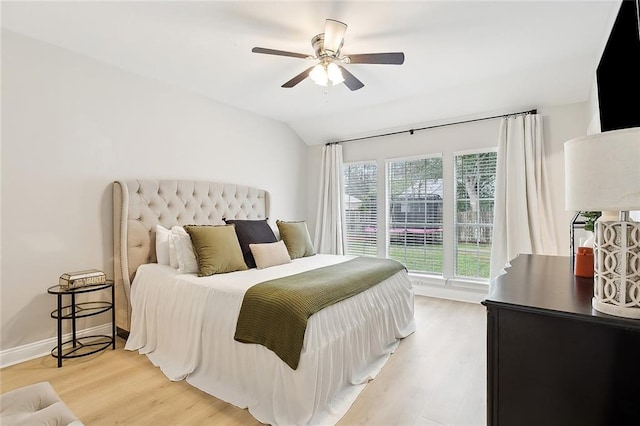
point(436, 377)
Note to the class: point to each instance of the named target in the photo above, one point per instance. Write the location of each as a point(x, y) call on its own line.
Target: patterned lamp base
point(617, 269)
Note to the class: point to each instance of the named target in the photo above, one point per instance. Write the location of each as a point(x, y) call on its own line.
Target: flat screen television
point(618, 74)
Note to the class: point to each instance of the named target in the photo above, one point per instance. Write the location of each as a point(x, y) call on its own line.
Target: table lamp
point(602, 173)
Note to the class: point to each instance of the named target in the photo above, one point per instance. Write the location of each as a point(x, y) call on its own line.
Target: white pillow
point(173, 256)
point(163, 236)
point(187, 263)
point(270, 254)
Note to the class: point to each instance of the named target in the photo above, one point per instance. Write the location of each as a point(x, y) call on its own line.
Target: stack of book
point(70, 280)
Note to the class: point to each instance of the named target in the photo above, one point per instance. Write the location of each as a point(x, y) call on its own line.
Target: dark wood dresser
point(551, 358)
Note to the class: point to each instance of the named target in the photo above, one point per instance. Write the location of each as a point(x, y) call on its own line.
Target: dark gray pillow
point(252, 232)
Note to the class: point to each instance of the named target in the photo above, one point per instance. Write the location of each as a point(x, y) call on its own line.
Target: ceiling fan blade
point(298, 78)
point(334, 35)
point(278, 52)
point(350, 80)
point(392, 58)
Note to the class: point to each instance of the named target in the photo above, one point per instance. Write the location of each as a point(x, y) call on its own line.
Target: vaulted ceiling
point(463, 58)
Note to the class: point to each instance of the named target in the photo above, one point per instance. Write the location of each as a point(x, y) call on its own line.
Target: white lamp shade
point(334, 74)
point(319, 75)
point(602, 171)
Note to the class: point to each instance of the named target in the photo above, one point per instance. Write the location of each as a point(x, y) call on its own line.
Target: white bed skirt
point(185, 325)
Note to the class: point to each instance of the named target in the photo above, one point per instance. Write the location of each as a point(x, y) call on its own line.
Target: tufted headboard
point(139, 205)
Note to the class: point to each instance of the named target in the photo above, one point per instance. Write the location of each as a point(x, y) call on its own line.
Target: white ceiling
point(463, 58)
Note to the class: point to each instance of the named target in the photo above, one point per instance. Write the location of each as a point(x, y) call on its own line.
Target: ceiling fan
point(329, 68)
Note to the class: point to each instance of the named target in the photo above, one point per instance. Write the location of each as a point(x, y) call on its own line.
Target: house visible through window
point(414, 231)
point(414, 201)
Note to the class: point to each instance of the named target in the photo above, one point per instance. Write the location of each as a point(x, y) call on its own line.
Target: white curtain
point(523, 223)
point(329, 237)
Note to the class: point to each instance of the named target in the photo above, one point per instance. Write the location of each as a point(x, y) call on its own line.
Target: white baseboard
point(43, 347)
point(469, 296)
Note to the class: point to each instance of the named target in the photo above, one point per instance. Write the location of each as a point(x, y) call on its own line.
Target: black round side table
point(85, 345)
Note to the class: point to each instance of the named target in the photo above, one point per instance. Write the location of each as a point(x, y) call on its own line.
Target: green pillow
point(216, 248)
point(296, 237)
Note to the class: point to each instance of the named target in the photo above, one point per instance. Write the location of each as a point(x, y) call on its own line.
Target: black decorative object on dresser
point(551, 358)
point(78, 347)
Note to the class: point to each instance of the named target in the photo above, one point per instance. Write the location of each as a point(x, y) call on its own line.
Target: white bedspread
point(186, 324)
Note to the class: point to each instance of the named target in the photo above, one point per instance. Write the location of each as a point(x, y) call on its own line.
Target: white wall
point(561, 123)
point(72, 125)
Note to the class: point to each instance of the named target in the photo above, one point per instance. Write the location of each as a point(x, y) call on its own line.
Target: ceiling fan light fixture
point(324, 73)
point(319, 75)
point(334, 74)
point(329, 69)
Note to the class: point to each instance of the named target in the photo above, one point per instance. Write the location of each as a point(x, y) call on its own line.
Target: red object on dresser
point(584, 262)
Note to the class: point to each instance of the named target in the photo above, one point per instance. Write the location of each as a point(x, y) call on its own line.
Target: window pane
point(475, 192)
point(360, 198)
point(414, 189)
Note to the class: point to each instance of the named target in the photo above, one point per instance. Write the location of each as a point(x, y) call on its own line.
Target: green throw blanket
point(275, 313)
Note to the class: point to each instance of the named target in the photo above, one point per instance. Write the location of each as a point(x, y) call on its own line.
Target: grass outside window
point(472, 259)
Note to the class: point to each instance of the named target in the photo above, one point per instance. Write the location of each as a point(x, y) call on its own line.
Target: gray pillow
point(252, 232)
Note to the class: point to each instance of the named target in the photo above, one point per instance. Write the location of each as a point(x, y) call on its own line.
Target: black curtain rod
point(411, 131)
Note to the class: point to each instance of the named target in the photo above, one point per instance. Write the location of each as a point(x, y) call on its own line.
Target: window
point(361, 214)
point(438, 212)
point(414, 231)
point(475, 193)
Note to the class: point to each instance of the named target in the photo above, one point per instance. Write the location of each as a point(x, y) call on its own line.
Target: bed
point(185, 324)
